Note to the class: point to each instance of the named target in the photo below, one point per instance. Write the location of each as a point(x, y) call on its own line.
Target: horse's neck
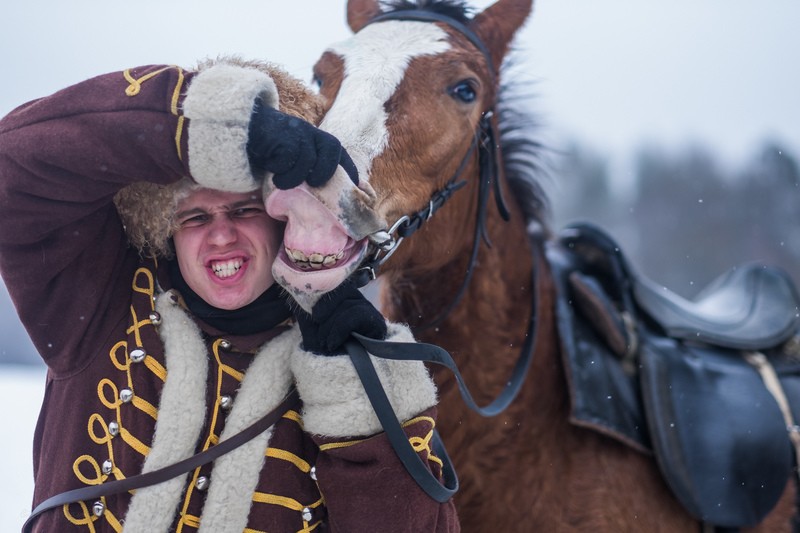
point(486, 330)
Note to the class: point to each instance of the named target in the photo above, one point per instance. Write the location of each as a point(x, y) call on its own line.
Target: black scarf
point(263, 314)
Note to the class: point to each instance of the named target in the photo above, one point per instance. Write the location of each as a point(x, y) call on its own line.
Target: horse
point(416, 100)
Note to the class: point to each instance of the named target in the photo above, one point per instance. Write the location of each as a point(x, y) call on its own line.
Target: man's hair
point(148, 213)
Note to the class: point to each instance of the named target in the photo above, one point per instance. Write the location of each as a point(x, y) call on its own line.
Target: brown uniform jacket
point(126, 360)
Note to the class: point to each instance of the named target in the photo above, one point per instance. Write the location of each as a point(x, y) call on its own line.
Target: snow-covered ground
point(21, 390)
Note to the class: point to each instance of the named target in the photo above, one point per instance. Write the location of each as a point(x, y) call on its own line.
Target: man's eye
point(246, 212)
point(196, 220)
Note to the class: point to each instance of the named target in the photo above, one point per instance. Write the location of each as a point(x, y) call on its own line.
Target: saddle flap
point(718, 435)
point(604, 394)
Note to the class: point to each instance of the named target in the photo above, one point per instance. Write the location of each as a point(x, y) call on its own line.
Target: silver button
point(313, 473)
point(225, 344)
point(113, 429)
point(226, 402)
point(126, 395)
point(201, 483)
point(98, 508)
point(107, 467)
point(155, 318)
point(307, 516)
point(137, 355)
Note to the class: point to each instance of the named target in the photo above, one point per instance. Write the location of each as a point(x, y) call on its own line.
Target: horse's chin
point(324, 240)
point(306, 285)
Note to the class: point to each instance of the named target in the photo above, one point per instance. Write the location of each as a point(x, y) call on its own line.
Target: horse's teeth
point(315, 260)
point(296, 255)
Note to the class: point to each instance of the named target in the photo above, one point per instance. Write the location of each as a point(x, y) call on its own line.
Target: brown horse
point(406, 97)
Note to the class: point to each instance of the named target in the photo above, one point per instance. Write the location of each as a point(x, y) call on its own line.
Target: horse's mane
point(523, 152)
point(455, 9)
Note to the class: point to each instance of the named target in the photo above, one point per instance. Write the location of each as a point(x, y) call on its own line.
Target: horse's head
point(406, 98)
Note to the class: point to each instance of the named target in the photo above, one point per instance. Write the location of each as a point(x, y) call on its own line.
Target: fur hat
point(148, 210)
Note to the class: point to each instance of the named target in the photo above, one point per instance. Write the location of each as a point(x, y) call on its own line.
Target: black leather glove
point(293, 150)
point(339, 313)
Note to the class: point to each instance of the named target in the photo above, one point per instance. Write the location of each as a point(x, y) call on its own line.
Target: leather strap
point(291, 401)
point(767, 372)
point(394, 431)
point(419, 351)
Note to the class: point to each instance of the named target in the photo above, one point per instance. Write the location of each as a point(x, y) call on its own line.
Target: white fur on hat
point(218, 104)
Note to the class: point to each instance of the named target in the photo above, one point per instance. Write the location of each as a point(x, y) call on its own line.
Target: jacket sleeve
point(365, 486)
point(63, 251)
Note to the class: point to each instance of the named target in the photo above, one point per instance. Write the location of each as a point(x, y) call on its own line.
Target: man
point(136, 247)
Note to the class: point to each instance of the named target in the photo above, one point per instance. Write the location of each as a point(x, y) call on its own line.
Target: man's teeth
point(225, 269)
point(314, 261)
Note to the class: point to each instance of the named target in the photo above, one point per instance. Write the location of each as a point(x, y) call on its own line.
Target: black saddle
point(750, 307)
point(668, 377)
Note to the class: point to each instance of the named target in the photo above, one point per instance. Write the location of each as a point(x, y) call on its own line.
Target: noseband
point(385, 243)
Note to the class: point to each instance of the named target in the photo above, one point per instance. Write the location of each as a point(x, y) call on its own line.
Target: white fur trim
point(218, 104)
point(334, 401)
point(235, 476)
point(181, 413)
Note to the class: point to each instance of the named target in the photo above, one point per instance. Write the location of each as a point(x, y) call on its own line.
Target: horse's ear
point(360, 12)
point(497, 24)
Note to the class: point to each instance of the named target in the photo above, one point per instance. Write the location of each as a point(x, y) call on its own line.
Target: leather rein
point(485, 141)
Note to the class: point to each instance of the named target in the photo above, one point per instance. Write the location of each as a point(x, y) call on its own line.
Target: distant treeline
point(687, 218)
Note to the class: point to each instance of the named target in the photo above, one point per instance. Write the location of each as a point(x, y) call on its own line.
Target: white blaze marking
point(375, 61)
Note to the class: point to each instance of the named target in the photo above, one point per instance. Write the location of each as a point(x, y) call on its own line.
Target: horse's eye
point(317, 80)
point(464, 91)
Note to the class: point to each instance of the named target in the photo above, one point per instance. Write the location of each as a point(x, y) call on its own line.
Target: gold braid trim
point(87, 468)
point(419, 444)
point(212, 439)
point(135, 87)
point(289, 503)
point(289, 457)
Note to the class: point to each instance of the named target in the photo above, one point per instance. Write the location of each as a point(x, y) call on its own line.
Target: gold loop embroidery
point(149, 284)
point(135, 86)
point(86, 520)
point(420, 444)
point(112, 402)
point(105, 436)
point(91, 462)
point(119, 356)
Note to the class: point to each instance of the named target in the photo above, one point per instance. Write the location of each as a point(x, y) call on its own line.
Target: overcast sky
point(614, 74)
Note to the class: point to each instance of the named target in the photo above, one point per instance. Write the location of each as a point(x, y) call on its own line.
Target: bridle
point(385, 243)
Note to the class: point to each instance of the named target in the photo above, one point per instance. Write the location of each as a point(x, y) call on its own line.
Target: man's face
point(225, 244)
